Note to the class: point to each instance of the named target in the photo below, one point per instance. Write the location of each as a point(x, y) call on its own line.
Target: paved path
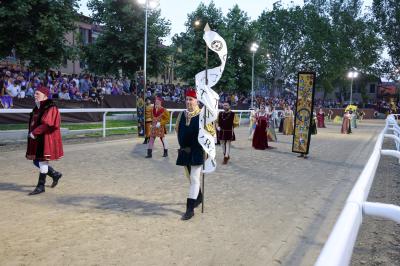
point(113, 207)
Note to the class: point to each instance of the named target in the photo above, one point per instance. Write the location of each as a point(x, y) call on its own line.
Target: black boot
point(40, 186)
point(199, 199)
point(146, 140)
point(165, 153)
point(189, 209)
point(149, 153)
point(55, 175)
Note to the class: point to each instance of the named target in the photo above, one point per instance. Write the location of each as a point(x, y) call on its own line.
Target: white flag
point(208, 97)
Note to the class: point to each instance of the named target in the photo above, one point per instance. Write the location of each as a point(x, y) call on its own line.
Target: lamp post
point(352, 75)
point(253, 49)
point(147, 5)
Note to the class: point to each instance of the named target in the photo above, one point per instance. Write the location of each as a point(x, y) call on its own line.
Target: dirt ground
point(378, 242)
point(114, 207)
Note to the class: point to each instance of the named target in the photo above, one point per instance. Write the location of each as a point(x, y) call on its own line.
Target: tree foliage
point(36, 30)
point(121, 43)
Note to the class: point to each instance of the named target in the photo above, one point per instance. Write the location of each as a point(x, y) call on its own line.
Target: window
point(372, 88)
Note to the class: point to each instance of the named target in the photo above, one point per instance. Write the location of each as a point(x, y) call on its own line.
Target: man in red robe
point(227, 121)
point(44, 138)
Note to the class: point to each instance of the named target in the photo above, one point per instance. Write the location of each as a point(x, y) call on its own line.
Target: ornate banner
point(304, 112)
point(209, 97)
point(140, 92)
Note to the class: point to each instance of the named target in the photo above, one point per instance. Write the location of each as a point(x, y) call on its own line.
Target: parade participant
point(252, 125)
point(288, 123)
point(260, 140)
point(190, 153)
point(330, 114)
point(353, 119)
point(313, 131)
point(282, 120)
point(160, 117)
point(149, 119)
point(227, 121)
point(361, 114)
point(271, 125)
point(44, 138)
point(321, 118)
point(346, 126)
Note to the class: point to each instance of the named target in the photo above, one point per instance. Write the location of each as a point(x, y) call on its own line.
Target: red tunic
point(44, 124)
point(225, 122)
point(260, 139)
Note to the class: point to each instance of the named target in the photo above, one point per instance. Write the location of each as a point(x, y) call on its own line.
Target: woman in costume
point(288, 123)
point(271, 125)
point(260, 140)
point(282, 120)
point(321, 118)
point(346, 125)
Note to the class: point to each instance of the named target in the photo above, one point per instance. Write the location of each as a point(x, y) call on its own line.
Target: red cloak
point(44, 124)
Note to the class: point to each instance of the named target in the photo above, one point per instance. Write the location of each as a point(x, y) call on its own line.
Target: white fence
point(339, 247)
point(105, 111)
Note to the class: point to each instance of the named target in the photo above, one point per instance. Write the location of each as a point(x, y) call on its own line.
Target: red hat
point(43, 90)
point(191, 93)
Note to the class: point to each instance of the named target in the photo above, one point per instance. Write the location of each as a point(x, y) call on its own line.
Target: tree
point(36, 30)
point(191, 46)
point(387, 17)
point(238, 33)
point(281, 36)
point(121, 43)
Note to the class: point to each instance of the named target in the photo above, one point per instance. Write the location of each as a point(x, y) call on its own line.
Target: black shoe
point(55, 175)
point(149, 153)
point(189, 210)
point(146, 140)
point(40, 186)
point(165, 153)
point(199, 200)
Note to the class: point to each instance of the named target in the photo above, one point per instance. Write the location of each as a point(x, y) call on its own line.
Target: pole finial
point(207, 27)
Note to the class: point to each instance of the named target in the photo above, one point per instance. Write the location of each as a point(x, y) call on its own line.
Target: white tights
point(194, 173)
point(226, 147)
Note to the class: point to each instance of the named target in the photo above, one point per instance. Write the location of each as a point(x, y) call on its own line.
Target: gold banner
point(304, 112)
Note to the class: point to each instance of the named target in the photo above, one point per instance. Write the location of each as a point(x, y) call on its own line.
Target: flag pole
point(206, 28)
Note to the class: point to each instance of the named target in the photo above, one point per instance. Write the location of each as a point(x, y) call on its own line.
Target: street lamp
point(197, 23)
point(148, 4)
point(253, 49)
point(352, 75)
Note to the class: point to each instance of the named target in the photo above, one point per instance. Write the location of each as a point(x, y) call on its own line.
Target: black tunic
point(190, 152)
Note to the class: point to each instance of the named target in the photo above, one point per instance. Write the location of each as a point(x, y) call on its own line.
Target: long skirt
point(260, 140)
point(281, 125)
point(288, 126)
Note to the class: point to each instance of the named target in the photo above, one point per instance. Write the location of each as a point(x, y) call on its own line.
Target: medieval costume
point(149, 119)
point(288, 123)
point(260, 140)
point(330, 114)
point(281, 121)
point(227, 121)
point(160, 117)
point(346, 126)
point(313, 125)
point(271, 135)
point(252, 124)
point(191, 153)
point(353, 120)
point(44, 138)
point(321, 119)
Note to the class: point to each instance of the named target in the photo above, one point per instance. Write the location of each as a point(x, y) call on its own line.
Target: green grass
point(110, 132)
point(77, 126)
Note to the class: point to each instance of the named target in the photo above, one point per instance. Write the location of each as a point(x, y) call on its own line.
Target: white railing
point(105, 111)
point(338, 249)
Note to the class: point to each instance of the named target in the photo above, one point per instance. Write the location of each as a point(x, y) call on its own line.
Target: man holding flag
point(195, 127)
point(191, 153)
